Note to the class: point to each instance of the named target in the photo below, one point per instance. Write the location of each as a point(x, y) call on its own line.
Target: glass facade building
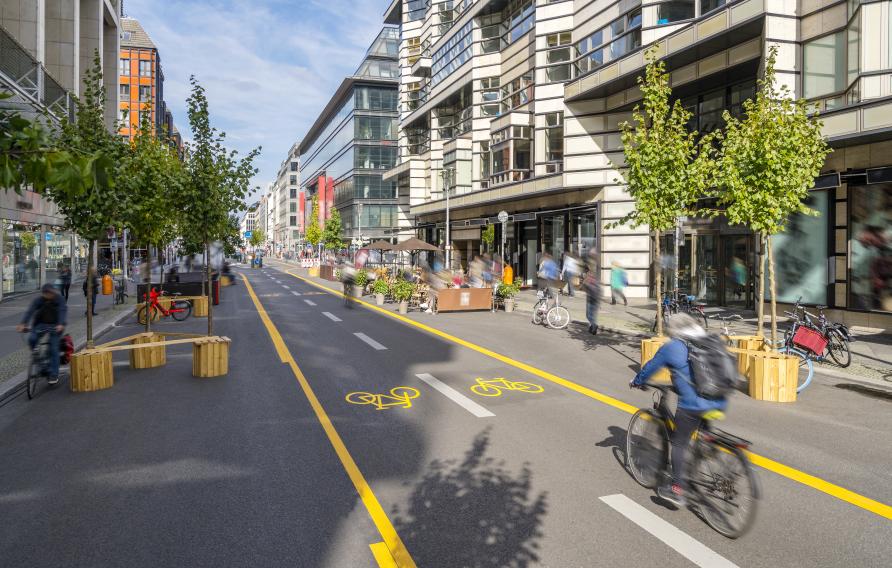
point(353, 142)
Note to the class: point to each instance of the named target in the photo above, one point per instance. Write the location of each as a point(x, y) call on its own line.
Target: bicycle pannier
point(66, 348)
point(714, 369)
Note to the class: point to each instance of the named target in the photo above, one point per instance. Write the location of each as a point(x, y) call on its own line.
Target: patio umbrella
point(414, 244)
point(380, 245)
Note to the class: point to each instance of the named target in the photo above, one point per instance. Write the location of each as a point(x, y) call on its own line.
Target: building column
point(2, 249)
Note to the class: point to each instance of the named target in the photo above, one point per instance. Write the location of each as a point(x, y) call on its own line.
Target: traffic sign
point(503, 216)
point(248, 234)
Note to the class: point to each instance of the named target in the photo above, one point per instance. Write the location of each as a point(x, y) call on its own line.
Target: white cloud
point(269, 67)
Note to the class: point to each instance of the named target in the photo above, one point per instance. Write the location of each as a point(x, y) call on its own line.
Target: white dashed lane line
point(310, 302)
point(331, 316)
point(455, 396)
point(375, 345)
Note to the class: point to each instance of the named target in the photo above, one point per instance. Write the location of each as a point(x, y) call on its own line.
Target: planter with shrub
point(402, 293)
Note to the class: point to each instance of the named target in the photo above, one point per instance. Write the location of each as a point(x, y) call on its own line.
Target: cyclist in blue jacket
point(48, 313)
point(691, 406)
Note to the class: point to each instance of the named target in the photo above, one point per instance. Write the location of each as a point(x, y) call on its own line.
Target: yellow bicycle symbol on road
point(399, 396)
point(494, 387)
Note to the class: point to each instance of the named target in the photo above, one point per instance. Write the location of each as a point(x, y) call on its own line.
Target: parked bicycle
point(726, 323)
point(121, 294)
point(674, 302)
point(179, 309)
point(548, 309)
point(724, 487)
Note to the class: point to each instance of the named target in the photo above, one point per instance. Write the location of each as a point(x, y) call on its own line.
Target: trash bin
point(108, 285)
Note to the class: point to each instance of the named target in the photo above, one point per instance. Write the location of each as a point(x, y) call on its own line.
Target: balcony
point(422, 66)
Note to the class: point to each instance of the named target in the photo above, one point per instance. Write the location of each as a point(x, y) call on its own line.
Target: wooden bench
point(91, 369)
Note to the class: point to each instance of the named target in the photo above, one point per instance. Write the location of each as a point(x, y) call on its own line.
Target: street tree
point(768, 161)
point(258, 237)
point(667, 169)
point(99, 203)
point(153, 177)
point(218, 181)
point(314, 231)
point(331, 233)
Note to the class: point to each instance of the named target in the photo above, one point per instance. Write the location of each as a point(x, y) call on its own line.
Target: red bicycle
point(179, 309)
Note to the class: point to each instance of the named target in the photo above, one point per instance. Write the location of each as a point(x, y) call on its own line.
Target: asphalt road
point(272, 466)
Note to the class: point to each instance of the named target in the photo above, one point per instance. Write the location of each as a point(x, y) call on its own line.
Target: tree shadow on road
point(473, 513)
point(616, 441)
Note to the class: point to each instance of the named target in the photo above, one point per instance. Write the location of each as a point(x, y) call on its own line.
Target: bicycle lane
point(568, 426)
point(168, 470)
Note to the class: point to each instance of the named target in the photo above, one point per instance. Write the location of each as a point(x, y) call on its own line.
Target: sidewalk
point(14, 352)
point(871, 353)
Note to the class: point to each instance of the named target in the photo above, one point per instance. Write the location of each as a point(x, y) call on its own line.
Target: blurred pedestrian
point(618, 282)
point(548, 274)
point(64, 280)
point(591, 285)
point(569, 272)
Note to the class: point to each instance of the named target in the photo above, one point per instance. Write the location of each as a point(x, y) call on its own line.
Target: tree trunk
point(90, 306)
point(148, 288)
point(773, 288)
point(659, 285)
point(207, 267)
point(760, 307)
point(204, 291)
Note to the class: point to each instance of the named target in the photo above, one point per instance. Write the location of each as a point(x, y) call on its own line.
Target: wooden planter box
point(773, 376)
point(210, 357)
point(91, 370)
point(200, 307)
point(148, 357)
point(464, 299)
point(649, 348)
point(746, 344)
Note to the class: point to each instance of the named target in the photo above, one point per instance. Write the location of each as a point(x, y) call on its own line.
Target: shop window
point(801, 254)
point(824, 68)
point(871, 246)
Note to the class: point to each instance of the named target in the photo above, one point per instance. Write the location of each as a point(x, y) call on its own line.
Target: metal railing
point(26, 74)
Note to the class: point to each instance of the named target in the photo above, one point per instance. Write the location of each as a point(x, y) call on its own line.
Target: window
point(415, 9)
point(294, 166)
point(456, 52)
point(554, 137)
point(520, 18)
point(485, 163)
point(854, 49)
point(124, 67)
point(612, 41)
point(292, 221)
point(145, 68)
point(802, 251)
point(293, 193)
point(675, 11)
point(517, 93)
point(511, 154)
point(123, 115)
point(375, 157)
point(871, 259)
point(375, 128)
point(292, 180)
point(490, 96)
point(710, 5)
point(125, 92)
point(823, 66)
point(145, 93)
point(292, 207)
point(373, 98)
point(558, 57)
point(491, 33)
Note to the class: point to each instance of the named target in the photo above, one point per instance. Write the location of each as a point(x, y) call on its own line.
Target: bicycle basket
point(810, 339)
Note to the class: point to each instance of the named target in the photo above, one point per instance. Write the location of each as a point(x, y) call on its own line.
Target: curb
point(16, 383)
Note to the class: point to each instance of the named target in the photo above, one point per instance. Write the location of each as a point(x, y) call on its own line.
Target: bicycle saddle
point(821, 307)
point(713, 415)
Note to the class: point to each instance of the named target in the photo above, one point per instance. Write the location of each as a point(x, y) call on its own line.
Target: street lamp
point(448, 177)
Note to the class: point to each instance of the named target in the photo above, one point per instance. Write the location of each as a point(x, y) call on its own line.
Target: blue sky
point(269, 66)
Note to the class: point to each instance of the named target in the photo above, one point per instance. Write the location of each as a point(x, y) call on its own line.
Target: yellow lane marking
point(392, 540)
point(494, 387)
point(399, 396)
point(382, 555)
point(822, 485)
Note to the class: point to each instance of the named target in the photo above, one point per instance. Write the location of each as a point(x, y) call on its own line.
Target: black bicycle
point(674, 302)
point(121, 294)
point(40, 361)
point(724, 489)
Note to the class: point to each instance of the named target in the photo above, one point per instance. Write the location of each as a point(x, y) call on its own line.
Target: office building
point(46, 46)
point(289, 204)
point(515, 106)
point(141, 82)
point(350, 145)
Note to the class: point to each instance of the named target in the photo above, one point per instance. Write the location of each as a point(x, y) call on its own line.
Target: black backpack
point(713, 368)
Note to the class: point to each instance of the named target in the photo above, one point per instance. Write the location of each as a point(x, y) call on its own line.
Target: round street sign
point(503, 216)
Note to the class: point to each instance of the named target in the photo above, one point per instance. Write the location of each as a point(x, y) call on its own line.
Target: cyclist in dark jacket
point(48, 313)
point(691, 406)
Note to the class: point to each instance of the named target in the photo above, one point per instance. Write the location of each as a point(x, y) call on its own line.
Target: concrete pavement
point(246, 469)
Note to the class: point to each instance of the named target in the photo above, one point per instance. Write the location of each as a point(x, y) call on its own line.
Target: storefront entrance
point(716, 268)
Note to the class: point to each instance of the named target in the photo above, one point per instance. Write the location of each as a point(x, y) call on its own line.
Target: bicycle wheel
point(647, 448)
point(527, 387)
point(361, 398)
point(141, 315)
point(486, 390)
point(404, 392)
point(806, 367)
point(33, 378)
point(839, 348)
point(181, 310)
point(537, 314)
point(726, 486)
point(558, 317)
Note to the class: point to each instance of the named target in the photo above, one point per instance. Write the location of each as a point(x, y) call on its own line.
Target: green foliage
point(28, 241)
point(314, 232)
point(488, 235)
point(769, 159)
point(509, 290)
point(331, 233)
point(257, 238)
point(380, 286)
point(403, 290)
point(233, 239)
point(362, 278)
point(667, 170)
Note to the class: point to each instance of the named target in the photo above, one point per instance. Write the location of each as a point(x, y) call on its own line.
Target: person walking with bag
point(618, 282)
point(65, 280)
point(591, 285)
